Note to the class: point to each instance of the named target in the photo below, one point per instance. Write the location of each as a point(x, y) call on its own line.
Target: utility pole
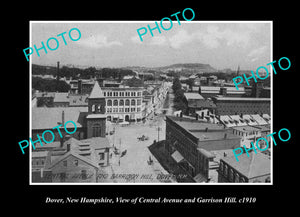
point(120, 153)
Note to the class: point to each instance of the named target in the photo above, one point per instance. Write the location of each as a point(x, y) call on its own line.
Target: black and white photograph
point(151, 106)
point(186, 105)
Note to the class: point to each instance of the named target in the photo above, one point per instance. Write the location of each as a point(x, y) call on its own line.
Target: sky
point(117, 44)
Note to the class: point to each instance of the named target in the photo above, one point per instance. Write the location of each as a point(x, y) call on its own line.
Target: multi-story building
point(195, 102)
point(242, 105)
point(123, 103)
point(190, 142)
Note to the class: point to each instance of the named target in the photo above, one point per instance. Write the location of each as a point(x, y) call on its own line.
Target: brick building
point(84, 154)
point(242, 105)
point(189, 143)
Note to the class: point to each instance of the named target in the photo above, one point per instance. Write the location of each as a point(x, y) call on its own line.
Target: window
point(126, 109)
point(132, 102)
point(237, 177)
point(76, 162)
point(83, 174)
point(115, 110)
point(138, 109)
point(96, 130)
point(101, 156)
point(121, 103)
point(139, 93)
point(109, 102)
point(225, 170)
point(65, 163)
point(104, 93)
point(231, 175)
point(132, 93)
point(127, 102)
point(121, 109)
point(115, 102)
point(62, 177)
point(139, 102)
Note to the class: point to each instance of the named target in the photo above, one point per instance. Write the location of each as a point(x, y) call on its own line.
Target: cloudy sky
point(117, 44)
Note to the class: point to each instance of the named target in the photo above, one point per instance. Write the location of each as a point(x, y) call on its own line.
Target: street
point(134, 166)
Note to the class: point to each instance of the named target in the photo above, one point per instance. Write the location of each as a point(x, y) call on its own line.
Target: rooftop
point(76, 155)
point(47, 118)
point(190, 96)
point(246, 128)
point(204, 131)
point(250, 99)
point(61, 97)
point(96, 92)
point(253, 166)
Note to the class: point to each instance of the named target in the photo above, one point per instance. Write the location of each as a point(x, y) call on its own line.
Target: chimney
point(68, 147)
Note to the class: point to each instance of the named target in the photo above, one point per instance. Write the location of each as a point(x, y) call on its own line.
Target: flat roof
point(197, 129)
point(193, 96)
point(246, 128)
point(241, 99)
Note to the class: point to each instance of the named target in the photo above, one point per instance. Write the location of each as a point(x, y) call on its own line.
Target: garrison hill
point(185, 68)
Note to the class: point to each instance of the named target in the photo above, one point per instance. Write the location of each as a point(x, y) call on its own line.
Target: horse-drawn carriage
point(143, 138)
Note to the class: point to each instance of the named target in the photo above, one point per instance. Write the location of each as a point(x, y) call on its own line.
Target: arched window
point(109, 102)
point(132, 102)
point(115, 102)
point(127, 102)
point(121, 103)
point(96, 130)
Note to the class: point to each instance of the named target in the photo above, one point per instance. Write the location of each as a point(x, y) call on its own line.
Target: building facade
point(189, 143)
point(123, 103)
point(242, 105)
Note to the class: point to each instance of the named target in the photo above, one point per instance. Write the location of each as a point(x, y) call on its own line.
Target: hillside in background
point(190, 66)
